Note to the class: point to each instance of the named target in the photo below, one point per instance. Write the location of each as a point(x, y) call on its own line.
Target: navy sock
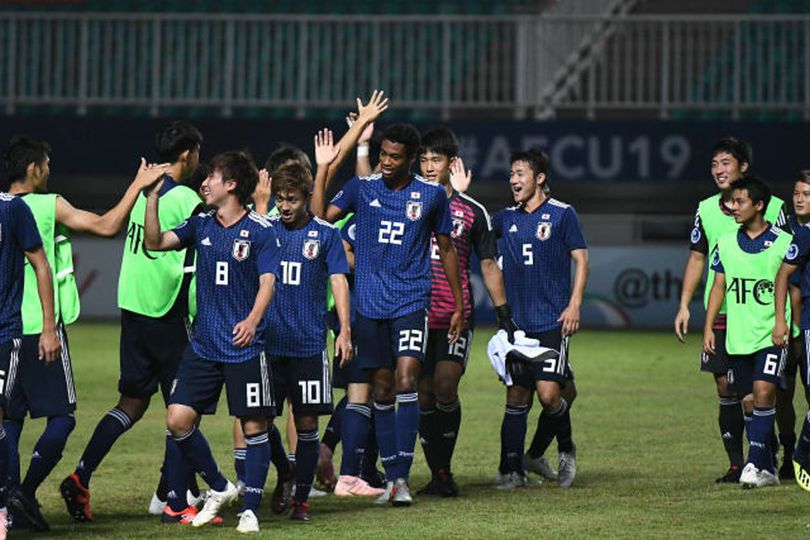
point(306, 459)
point(513, 434)
point(239, 455)
point(427, 437)
point(257, 461)
point(3, 466)
point(385, 427)
point(176, 469)
point(47, 452)
point(332, 433)
point(561, 422)
point(803, 444)
point(448, 421)
point(114, 424)
point(732, 425)
point(162, 489)
point(407, 429)
point(277, 454)
point(355, 426)
point(760, 430)
point(368, 461)
point(196, 450)
point(13, 431)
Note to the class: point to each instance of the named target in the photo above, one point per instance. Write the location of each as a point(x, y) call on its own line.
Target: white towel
point(499, 346)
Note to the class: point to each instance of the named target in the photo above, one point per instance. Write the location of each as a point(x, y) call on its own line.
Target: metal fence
point(537, 65)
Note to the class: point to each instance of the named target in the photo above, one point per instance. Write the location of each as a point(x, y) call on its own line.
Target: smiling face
point(292, 206)
point(394, 162)
point(435, 167)
point(215, 190)
point(524, 182)
point(726, 170)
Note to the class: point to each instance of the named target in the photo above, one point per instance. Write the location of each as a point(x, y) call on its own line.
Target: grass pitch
point(645, 424)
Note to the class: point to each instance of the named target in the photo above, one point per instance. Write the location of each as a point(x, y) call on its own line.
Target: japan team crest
point(544, 230)
point(458, 228)
point(311, 248)
point(241, 249)
point(414, 210)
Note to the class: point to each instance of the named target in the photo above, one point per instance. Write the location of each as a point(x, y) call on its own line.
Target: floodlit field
point(645, 425)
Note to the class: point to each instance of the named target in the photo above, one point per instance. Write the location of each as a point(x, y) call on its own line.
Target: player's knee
point(252, 426)
point(446, 391)
point(748, 404)
point(549, 398)
point(306, 423)
point(178, 423)
point(723, 388)
point(570, 392)
point(763, 397)
point(134, 408)
point(359, 393)
point(405, 383)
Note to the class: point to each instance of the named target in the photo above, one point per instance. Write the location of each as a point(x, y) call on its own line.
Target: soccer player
point(745, 264)
point(40, 390)
point(237, 257)
point(540, 237)
point(312, 253)
point(439, 406)
point(396, 212)
point(20, 240)
point(153, 298)
point(731, 159)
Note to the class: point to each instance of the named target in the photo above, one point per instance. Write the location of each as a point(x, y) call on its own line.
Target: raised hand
point(458, 178)
point(376, 105)
point(368, 132)
point(261, 195)
point(325, 150)
point(149, 173)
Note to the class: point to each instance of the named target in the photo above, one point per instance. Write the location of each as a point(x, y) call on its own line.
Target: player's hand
point(325, 150)
point(779, 336)
point(708, 341)
point(505, 321)
point(261, 195)
point(243, 333)
point(458, 178)
point(149, 173)
point(370, 111)
point(456, 326)
point(570, 320)
point(682, 324)
point(343, 348)
point(365, 137)
point(50, 348)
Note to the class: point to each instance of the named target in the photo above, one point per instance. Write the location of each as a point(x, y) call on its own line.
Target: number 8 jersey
point(536, 249)
point(392, 246)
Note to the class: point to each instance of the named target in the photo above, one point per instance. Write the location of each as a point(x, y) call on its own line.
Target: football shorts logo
point(458, 228)
point(414, 210)
point(241, 249)
point(792, 252)
point(695, 236)
point(544, 230)
point(311, 249)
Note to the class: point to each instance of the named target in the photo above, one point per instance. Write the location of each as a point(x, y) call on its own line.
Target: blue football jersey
point(230, 261)
point(798, 254)
point(18, 234)
point(536, 249)
point(297, 315)
point(392, 242)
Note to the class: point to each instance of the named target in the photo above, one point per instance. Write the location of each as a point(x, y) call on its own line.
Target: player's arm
point(780, 334)
point(459, 179)
point(261, 195)
point(447, 254)
point(109, 223)
point(325, 153)
point(716, 296)
point(795, 294)
point(362, 164)
point(245, 330)
point(153, 238)
point(343, 343)
point(570, 315)
point(49, 345)
point(692, 273)
point(349, 254)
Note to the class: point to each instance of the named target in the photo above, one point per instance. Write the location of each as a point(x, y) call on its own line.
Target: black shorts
point(556, 370)
point(248, 385)
point(438, 349)
point(802, 353)
point(381, 341)
point(765, 365)
point(795, 356)
point(305, 382)
point(150, 353)
point(9, 362)
point(42, 389)
point(350, 373)
point(717, 363)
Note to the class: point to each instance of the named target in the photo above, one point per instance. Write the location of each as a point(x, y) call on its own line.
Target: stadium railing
point(660, 66)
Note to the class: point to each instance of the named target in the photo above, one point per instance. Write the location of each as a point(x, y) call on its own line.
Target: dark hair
point(440, 140)
point(803, 176)
point(175, 138)
point(740, 150)
point(293, 177)
point(197, 176)
point(758, 190)
point(22, 150)
point(404, 134)
point(239, 167)
point(286, 154)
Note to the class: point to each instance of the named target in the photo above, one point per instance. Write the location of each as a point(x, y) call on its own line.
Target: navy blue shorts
point(150, 352)
point(801, 355)
point(765, 365)
point(248, 385)
point(351, 372)
point(305, 382)
point(557, 370)
point(381, 341)
point(9, 362)
point(718, 363)
point(42, 389)
point(438, 349)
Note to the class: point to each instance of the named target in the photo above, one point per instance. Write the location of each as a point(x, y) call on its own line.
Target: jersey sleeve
point(336, 262)
point(187, 232)
point(799, 250)
point(572, 230)
point(717, 264)
point(483, 237)
point(346, 199)
point(440, 219)
point(268, 254)
point(697, 238)
point(781, 220)
point(24, 227)
point(497, 224)
point(349, 231)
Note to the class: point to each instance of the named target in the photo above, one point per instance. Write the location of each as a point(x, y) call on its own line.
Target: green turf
point(645, 425)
